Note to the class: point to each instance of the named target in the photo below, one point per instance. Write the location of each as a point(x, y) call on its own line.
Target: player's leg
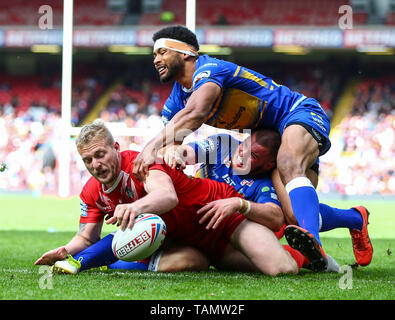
point(183, 258)
point(235, 260)
point(97, 255)
point(355, 219)
point(297, 153)
point(263, 249)
point(333, 218)
point(173, 258)
point(330, 217)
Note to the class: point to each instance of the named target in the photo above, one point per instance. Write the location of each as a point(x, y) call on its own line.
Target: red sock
point(298, 257)
point(279, 234)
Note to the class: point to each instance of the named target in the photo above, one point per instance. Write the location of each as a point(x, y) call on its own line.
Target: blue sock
point(333, 218)
point(305, 204)
point(135, 265)
point(97, 255)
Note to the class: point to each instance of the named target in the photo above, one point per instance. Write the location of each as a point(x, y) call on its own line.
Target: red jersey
point(182, 222)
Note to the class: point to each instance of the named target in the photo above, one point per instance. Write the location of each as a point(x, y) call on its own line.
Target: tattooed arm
point(88, 234)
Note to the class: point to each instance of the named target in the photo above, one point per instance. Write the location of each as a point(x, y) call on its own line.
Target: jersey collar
point(112, 188)
point(197, 66)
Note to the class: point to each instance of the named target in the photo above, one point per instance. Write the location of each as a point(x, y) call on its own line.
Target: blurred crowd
point(361, 160)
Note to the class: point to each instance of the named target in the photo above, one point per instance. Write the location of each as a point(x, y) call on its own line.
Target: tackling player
point(225, 95)
point(248, 167)
point(114, 191)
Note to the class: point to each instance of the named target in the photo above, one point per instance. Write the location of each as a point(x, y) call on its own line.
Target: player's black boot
point(303, 241)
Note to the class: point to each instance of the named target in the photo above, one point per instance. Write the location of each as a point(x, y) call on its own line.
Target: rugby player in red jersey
point(237, 243)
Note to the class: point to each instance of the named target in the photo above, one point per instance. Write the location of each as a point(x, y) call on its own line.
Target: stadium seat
point(251, 12)
point(87, 12)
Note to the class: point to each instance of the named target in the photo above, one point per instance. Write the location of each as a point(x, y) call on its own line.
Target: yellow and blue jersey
point(214, 154)
point(249, 100)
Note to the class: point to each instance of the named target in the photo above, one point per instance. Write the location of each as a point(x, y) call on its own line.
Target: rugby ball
point(138, 243)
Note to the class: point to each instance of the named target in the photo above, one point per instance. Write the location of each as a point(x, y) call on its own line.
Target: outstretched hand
point(174, 157)
point(216, 211)
point(143, 160)
point(50, 257)
point(124, 216)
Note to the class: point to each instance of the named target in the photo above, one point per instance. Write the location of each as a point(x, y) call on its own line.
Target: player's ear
point(187, 57)
point(117, 146)
point(270, 165)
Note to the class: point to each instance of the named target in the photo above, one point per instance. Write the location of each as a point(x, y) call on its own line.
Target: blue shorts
point(309, 114)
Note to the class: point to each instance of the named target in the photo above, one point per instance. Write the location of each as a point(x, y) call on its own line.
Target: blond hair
point(96, 130)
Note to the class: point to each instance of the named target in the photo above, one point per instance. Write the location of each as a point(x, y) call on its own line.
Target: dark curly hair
point(177, 32)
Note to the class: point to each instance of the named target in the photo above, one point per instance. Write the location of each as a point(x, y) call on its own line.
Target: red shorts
point(183, 225)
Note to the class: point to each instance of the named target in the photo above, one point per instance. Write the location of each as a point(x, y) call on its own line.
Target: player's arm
point(268, 214)
point(161, 197)
point(183, 123)
point(88, 234)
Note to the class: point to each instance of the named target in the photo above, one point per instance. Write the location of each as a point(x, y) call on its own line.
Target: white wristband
point(244, 212)
point(248, 208)
point(241, 204)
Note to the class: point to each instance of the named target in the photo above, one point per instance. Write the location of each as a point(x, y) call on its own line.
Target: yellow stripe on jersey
point(237, 110)
point(201, 172)
point(262, 111)
point(248, 75)
point(237, 71)
point(275, 83)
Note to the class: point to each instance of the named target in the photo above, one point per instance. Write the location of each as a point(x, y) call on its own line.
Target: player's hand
point(143, 160)
point(216, 211)
point(50, 257)
point(124, 216)
point(174, 157)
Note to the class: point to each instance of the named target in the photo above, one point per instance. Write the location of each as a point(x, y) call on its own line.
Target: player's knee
point(196, 263)
point(280, 268)
point(185, 259)
point(277, 223)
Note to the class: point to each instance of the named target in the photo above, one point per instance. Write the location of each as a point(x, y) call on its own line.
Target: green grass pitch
point(32, 225)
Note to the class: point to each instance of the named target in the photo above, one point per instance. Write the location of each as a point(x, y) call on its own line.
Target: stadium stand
point(251, 12)
point(367, 133)
point(19, 12)
point(362, 158)
point(26, 91)
point(43, 90)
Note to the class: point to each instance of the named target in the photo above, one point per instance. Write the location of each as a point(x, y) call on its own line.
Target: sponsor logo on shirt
point(248, 183)
point(200, 76)
point(273, 196)
point(206, 145)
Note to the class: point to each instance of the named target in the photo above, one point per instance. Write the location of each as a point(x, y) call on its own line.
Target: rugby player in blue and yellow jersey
point(225, 95)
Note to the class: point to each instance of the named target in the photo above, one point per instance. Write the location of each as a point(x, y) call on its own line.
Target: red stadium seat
point(87, 12)
point(264, 12)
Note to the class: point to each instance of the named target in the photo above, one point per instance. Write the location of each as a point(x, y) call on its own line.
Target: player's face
point(168, 63)
point(103, 161)
point(252, 158)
